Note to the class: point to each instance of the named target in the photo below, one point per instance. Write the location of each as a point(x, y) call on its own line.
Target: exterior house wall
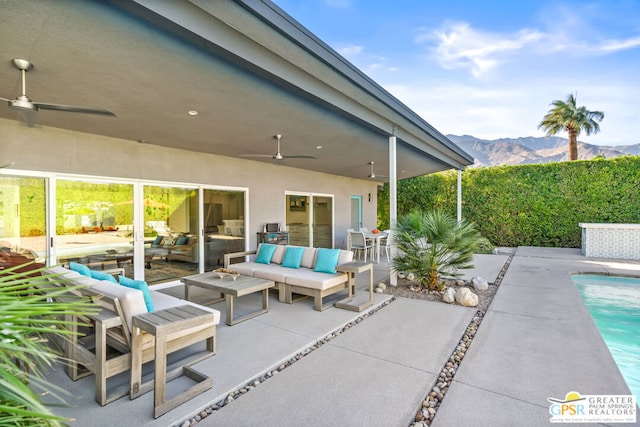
point(61, 151)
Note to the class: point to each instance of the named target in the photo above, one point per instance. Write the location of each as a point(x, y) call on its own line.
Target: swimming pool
point(614, 304)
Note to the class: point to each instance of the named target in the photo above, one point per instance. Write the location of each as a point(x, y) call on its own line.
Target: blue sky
point(491, 68)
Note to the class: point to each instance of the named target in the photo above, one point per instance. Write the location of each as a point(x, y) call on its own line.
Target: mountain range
point(527, 150)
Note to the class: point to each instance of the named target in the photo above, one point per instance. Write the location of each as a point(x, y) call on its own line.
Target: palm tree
point(432, 244)
point(567, 116)
point(29, 314)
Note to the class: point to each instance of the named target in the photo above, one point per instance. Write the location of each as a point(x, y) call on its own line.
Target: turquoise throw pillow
point(326, 260)
point(101, 275)
point(183, 240)
point(293, 257)
point(142, 286)
point(265, 253)
point(80, 268)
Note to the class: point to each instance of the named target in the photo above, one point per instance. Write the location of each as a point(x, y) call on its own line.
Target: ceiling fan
point(372, 174)
point(27, 108)
point(278, 155)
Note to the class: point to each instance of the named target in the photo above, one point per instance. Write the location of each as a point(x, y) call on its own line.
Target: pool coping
point(537, 341)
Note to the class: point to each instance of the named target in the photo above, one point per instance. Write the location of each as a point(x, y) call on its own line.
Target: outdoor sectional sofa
point(105, 350)
point(306, 273)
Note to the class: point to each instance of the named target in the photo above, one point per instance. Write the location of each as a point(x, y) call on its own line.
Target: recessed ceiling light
point(193, 112)
point(318, 147)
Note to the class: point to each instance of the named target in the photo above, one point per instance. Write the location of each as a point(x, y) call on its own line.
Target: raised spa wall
point(616, 241)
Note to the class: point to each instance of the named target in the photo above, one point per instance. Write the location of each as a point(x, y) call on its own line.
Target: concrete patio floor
point(536, 341)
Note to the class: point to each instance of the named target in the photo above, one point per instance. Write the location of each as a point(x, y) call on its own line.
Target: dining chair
point(386, 244)
point(359, 243)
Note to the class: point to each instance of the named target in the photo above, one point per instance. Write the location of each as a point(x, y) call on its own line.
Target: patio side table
point(352, 302)
point(161, 324)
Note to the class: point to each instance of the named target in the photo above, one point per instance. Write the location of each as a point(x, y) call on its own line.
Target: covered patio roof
point(246, 67)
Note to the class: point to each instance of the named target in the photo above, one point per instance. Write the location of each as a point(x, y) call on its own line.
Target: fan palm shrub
point(433, 244)
point(29, 315)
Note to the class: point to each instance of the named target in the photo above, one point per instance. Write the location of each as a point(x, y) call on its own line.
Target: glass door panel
point(298, 220)
point(22, 220)
point(171, 233)
point(94, 224)
point(322, 222)
point(224, 226)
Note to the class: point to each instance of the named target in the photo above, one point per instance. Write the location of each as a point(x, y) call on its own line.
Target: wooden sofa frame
point(286, 291)
point(95, 351)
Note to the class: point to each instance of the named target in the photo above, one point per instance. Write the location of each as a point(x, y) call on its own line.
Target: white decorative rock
point(411, 277)
point(401, 275)
point(382, 286)
point(449, 296)
point(479, 284)
point(459, 282)
point(379, 290)
point(465, 297)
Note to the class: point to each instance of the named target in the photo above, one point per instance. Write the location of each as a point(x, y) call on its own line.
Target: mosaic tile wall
point(616, 243)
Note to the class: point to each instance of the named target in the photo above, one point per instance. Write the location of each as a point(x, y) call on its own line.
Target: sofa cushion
point(71, 278)
point(310, 279)
point(80, 268)
point(245, 268)
point(274, 272)
point(293, 257)
point(345, 257)
point(308, 258)
point(326, 260)
point(265, 253)
point(131, 300)
point(182, 240)
point(157, 241)
point(142, 286)
point(278, 254)
point(101, 275)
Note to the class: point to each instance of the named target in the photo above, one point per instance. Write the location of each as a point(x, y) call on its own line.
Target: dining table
point(375, 238)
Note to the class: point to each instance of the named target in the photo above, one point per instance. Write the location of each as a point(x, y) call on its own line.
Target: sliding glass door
point(23, 218)
point(224, 226)
point(310, 220)
point(94, 224)
point(170, 232)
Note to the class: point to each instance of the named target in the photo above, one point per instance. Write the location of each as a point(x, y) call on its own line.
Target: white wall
point(61, 151)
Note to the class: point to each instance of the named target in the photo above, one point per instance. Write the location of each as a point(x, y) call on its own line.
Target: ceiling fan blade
point(256, 155)
point(299, 157)
point(73, 109)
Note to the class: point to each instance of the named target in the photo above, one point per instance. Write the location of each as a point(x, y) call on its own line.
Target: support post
point(393, 197)
point(459, 195)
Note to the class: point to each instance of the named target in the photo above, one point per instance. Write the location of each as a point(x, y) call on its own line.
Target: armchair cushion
point(80, 268)
point(101, 275)
point(141, 285)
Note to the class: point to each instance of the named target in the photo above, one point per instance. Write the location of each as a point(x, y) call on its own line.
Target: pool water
point(614, 304)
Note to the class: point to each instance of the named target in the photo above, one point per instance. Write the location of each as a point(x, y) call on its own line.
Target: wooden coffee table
point(230, 289)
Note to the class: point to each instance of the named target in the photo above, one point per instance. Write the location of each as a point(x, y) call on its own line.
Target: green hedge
point(529, 205)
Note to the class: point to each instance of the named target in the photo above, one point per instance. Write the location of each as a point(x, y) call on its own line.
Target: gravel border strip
point(210, 409)
point(430, 404)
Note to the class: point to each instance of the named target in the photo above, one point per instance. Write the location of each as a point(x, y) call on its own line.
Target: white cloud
point(461, 46)
point(350, 51)
point(611, 46)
